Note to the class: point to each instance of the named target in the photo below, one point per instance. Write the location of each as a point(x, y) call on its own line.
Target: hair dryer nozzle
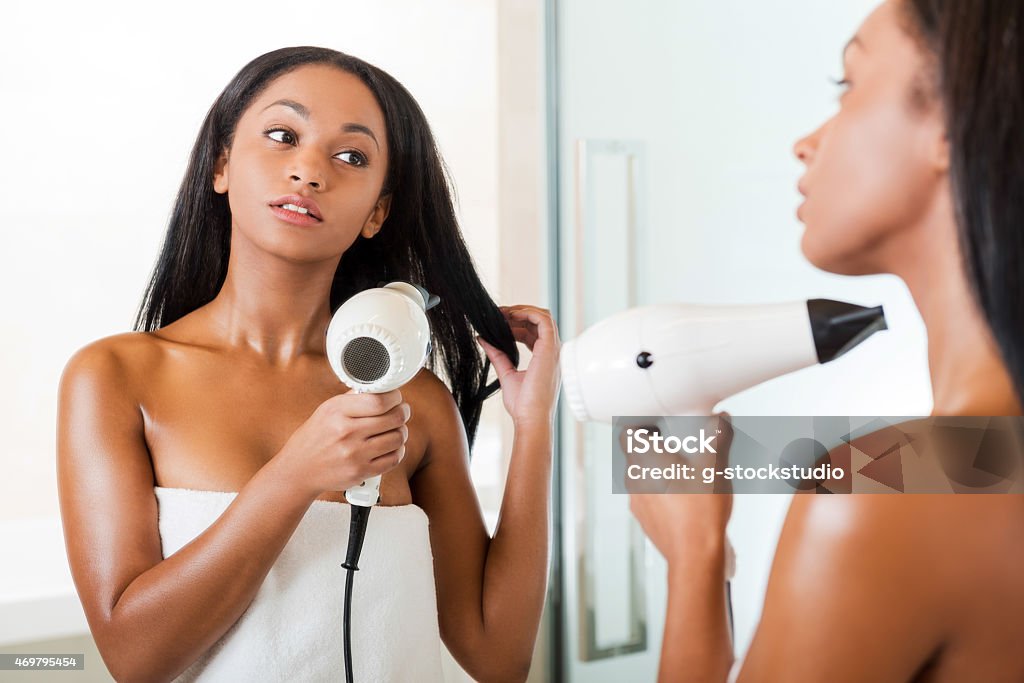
point(838, 326)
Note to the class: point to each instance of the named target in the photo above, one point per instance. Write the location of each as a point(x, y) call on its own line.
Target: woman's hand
point(529, 394)
point(688, 518)
point(348, 439)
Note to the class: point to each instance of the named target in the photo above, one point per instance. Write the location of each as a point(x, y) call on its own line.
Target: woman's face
point(874, 170)
point(316, 133)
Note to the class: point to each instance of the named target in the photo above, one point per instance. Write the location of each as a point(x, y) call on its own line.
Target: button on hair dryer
point(682, 359)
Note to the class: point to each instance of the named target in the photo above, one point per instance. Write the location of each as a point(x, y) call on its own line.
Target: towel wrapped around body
point(292, 630)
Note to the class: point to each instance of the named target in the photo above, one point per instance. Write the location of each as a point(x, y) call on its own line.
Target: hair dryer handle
point(365, 494)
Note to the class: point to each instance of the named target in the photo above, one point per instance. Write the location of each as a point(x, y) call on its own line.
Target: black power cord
point(356, 533)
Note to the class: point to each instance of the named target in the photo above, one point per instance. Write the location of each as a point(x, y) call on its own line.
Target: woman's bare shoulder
point(931, 518)
point(117, 358)
point(929, 545)
point(851, 534)
point(429, 390)
point(135, 354)
point(435, 417)
point(124, 344)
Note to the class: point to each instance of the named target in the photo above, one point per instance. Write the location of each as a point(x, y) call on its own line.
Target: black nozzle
point(838, 326)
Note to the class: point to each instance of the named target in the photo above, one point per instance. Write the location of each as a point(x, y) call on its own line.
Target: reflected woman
point(920, 173)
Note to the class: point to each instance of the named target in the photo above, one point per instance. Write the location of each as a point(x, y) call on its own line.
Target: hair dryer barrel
point(679, 359)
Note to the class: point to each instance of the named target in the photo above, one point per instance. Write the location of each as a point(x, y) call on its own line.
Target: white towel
point(292, 630)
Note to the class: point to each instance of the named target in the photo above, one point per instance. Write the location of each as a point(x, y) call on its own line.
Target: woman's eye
point(282, 135)
point(843, 84)
point(354, 158)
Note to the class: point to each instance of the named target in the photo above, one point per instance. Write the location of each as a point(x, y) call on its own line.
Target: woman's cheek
point(859, 193)
point(834, 211)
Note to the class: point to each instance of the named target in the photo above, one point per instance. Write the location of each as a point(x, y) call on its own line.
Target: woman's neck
point(967, 371)
point(272, 307)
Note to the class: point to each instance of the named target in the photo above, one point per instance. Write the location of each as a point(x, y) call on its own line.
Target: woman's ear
point(936, 141)
point(377, 217)
point(220, 173)
point(940, 153)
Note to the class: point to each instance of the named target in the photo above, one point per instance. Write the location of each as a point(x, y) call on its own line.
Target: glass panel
point(611, 544)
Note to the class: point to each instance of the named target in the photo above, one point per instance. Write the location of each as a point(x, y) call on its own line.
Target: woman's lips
point(801, 209)
point(294, 217)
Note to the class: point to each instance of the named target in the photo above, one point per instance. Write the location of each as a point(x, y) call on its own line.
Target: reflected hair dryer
point(682, 359)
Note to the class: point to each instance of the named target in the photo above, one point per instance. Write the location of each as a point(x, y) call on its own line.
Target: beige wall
point(522, 200)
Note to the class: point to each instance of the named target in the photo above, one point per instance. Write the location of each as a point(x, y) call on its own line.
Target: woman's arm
point(687, 523)
point(152, 617)
point(491, 591)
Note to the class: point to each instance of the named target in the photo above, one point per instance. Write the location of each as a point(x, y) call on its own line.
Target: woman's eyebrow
point(302, 111)
point(360, 128)
point(292, 104)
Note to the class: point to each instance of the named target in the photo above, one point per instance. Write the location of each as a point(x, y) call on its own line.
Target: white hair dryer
point(377, 341)
point(682, 359)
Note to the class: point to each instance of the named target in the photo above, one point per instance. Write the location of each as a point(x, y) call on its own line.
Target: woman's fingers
point(536, 319)
point(525, 335)
point(502, 364)
point(534, 314)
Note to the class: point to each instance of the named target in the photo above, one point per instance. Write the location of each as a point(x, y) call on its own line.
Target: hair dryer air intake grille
point(379, 338)
point(366, 359)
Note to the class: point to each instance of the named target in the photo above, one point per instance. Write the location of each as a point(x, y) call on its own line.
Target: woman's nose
point(802, 149)
point(306, 170)
point(315, 184)
point(806, 146)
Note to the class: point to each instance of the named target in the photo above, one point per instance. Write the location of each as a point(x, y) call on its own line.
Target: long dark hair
point(978, 50)
point(420, 241)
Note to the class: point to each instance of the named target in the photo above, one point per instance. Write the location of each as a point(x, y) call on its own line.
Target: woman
point(200, 457)
point(920, 173)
